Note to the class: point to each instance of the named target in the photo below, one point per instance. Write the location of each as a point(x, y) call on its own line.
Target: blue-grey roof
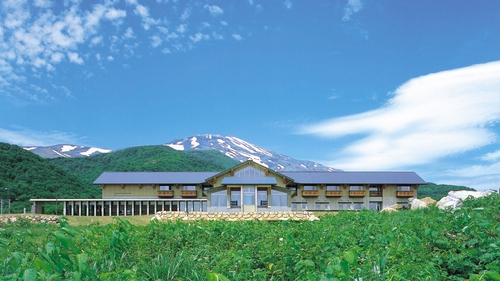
point(154, 177)
point(255, 180)
point(298, 177)
point(355, 177)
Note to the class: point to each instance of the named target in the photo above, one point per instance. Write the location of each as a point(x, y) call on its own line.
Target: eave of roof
point(154, 177)
point(355, 177)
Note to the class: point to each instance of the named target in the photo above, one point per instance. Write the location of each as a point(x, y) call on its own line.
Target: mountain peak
point(241, 150)
point(65, 150)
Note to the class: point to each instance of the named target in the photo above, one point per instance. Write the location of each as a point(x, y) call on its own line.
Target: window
point(235, 197)
point(189, 187)
point(248, 196)
point(262, 200)
point(310, 187)
point(375, 206)
point(165, 187)
point(299, 206)
point(344, 205)
point(357, 206)
point(219, 199)
point(404, 188)
point(332, 187)
point(249, 172)
point(375, 191)
point(279, 198)
point(356, 187)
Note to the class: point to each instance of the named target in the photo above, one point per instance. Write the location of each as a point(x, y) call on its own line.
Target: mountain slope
point(241, 150)
point(24, 175)
point(65, 150)
point(155, 158)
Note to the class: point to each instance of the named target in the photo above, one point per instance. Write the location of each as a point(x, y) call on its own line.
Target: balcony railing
point(357, 193)
point(165, 193)
point(404, 193)
point(188, 193)
point(333, 193)
point(375, 193)
point(310, 193)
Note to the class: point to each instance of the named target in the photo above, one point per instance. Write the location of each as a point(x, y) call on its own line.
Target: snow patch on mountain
point(241, 150)
point(65, 150)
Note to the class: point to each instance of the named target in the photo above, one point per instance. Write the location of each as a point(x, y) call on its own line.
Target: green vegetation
point(438, 191)
point(156, 158)
point(25, 175)
point(424, 244)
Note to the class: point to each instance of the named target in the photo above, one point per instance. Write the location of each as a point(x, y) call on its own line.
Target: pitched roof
point(153, 177)
point(342, 177)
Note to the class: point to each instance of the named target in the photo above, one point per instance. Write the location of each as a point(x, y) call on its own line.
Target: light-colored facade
point(248, 187)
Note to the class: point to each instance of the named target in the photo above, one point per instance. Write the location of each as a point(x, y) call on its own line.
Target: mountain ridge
point(241, 150)
point(232, 147)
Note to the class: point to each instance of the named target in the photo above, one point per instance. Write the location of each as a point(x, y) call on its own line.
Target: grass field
point(425, 244)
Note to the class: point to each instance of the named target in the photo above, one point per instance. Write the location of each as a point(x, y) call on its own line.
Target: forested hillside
point(438, 191)
point(24, 175)
point(157, 158)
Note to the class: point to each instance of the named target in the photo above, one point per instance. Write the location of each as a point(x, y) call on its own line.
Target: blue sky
point(352, 84)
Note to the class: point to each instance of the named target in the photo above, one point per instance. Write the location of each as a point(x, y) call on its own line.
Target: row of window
point(356, 206)
point(236, 198)
point(356, 187)
point(311, 187)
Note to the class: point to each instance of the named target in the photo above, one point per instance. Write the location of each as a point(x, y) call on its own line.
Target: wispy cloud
point(352, 7)
point(26, 137)
point(428, 118)
point(288, 4)
point(38, 36)
point(214, 10)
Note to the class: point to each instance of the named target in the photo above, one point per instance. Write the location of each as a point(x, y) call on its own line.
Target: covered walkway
point(120, 207)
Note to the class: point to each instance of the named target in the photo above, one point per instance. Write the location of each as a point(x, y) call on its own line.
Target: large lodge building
point(247, 187)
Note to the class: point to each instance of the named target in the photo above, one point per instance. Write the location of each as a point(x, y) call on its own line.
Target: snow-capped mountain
point(241, 150)
point(65, 150)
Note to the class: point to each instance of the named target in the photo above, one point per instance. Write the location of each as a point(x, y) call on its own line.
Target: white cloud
point(224, 23)
point(26, 137)
point(182, 28)
point(214, 10)
point(113, 14)
point(352, 6)
point(95, 41)
point(237, 37)
point(129, 33)
point(198, 37)
point(217, 36)
point(288, 4)
point(429, 117)
point(147, 21)
point(110, 58)
point(155, 41)
point(74, 57)
point(42, 3)
point(186, 14)
point(492, 156)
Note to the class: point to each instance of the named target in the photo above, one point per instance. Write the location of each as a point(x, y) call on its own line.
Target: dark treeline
point(25, 175)
point(438, 191)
